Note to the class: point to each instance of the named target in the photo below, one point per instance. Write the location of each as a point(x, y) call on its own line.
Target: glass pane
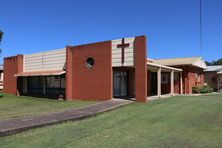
point(35, 85)
point(120, 83)
point(116, 83)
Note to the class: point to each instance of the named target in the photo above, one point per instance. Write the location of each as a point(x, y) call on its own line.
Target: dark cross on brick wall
point(123, 45)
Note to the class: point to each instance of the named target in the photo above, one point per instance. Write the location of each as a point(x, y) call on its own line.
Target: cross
point(123, 45)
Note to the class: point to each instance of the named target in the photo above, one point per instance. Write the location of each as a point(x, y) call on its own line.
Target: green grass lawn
point(173, 122)
point(13, 106)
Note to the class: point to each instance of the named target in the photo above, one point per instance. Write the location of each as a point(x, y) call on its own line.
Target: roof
point(214, 68)
point(194, 61)
point(164, 67)
point(1, 66)
point(219, 72)
point(41, 73)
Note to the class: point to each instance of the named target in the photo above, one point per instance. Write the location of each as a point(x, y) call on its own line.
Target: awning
point(41, 73)
point(155, 67)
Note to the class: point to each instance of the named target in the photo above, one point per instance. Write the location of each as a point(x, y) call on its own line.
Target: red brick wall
point(193, 80)
point(165, 88)
point(211, 79)
point(140, 51)
point(12, 65)
point(189, 77)
point(96, 83)
point(69, 73)
point(176, 87)
point(89, 83)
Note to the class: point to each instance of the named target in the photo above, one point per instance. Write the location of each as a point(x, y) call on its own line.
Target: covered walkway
point(160, 76)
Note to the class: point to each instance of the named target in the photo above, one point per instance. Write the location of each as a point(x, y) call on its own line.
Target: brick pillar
point(69, 70)
point(140, 69)
point(19, 70)
point(12, 65)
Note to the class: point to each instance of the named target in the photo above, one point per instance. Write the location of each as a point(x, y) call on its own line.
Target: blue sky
point(172, 26)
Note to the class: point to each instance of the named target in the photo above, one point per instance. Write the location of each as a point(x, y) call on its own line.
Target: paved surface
point(17, 125)
point(162, 97)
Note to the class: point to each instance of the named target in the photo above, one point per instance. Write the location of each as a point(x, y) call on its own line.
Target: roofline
point(215, 70)
point(110, 40)
point(200, 58)
point(148, 59)
point(162, 66)
point(192, 64)
point(178, 58)
point(40, 73)
point(198, 67)
point(44, 51)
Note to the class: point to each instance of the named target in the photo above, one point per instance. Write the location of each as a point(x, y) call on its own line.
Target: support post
point(44, 85)
point(172, 82)
point(1, 77)
point(60, 85)
point(181, 83)
point(159, 82)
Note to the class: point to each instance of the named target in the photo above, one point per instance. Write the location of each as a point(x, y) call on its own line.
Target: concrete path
point(17, 125)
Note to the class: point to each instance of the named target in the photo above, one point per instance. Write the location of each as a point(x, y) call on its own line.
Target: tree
point(1, 35)
point(217, 62)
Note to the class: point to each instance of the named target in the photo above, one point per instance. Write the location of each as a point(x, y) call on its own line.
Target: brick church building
point(101, 71)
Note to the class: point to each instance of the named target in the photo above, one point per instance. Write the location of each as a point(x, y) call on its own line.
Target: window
point(176, 76)
point(90, 62)
point(56, 78)
point(120, 83)
point(164, 78)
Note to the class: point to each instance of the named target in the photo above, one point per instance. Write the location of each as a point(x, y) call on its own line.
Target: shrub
point(202, 89)
point(206, 89)
point(195, 90)
point(1, 95)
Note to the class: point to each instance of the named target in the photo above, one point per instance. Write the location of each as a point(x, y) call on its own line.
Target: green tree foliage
point(217, 62)
point(1, 35)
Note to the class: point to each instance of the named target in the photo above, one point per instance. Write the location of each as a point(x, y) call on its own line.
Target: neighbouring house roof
point(193, 61)
point(214, 68)
point(219, 72)
point(41, 73)
point(149, 60)
point(1, 66)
